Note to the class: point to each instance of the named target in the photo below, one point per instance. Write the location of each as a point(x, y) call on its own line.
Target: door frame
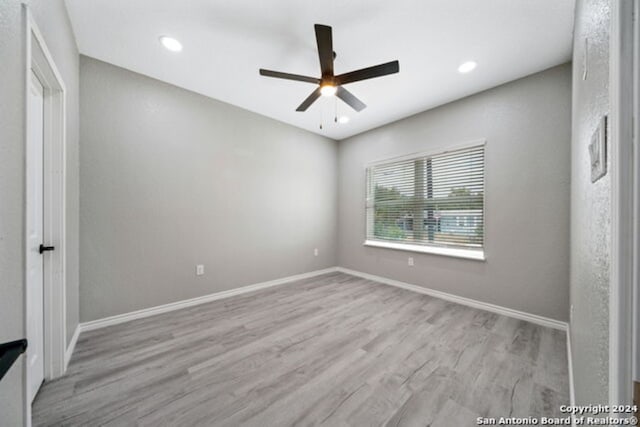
point(39, 59)
point(625, 185)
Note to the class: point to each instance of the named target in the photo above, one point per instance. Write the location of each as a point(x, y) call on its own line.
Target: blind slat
point(435, 200)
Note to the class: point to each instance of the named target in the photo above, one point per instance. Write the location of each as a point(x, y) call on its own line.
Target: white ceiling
point(226, 42)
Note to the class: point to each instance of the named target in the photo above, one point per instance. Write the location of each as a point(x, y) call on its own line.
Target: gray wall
point(11, 203)
point(171, 179)
point(590, 209)
point(527, 127)
point(52, 19)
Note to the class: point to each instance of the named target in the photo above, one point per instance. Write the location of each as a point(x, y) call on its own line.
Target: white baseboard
point(147, 312)
point(151, 311)
point(572, 386)
point(533, 318)
point(72, 345)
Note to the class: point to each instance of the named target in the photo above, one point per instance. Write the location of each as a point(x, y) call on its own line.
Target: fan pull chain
point(335, 109)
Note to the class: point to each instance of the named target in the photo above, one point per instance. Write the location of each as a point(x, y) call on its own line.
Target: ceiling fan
point(330, 84)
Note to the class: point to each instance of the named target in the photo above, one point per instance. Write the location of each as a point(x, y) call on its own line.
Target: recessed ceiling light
point(170, 43)
point(328, 90)
point(343, 119)
point(467, 67)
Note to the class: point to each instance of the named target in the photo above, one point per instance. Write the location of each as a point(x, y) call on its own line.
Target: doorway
point(625, 182)
point(45, 122)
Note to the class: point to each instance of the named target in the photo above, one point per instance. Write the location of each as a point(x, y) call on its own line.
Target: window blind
point(434, 200)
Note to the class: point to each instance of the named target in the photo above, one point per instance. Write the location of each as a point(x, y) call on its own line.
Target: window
point(428, 203)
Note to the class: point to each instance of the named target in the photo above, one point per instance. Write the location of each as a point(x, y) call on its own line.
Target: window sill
point(474, 254)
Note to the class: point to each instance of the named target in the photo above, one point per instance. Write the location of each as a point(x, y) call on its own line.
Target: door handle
point(44, 248)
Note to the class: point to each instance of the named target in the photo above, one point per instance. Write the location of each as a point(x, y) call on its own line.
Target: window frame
point(456, 252)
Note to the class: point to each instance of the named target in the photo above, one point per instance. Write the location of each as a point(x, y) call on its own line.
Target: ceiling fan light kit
point(328, 90)
point(330, 84)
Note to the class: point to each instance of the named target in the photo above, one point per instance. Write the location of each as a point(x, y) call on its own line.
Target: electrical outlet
point(315, 252)
point(199, 270)
point(410, 262)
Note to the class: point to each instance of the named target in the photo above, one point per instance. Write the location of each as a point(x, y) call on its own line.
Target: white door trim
point(623, 197)
point(38, 58)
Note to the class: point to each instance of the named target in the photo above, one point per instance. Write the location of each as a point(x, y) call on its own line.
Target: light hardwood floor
point(334, 350)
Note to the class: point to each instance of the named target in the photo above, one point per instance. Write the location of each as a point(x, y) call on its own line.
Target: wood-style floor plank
point(333, 350)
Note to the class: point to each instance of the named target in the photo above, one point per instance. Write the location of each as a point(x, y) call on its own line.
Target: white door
point(35, 220)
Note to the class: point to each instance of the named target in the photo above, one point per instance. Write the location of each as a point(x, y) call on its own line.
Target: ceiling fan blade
point(369, 72)
point(287, 76)
point(310, 100)
point(325, 49)
point(350, 99)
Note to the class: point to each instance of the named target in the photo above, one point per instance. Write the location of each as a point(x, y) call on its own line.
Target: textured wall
point(590, 208)
point(52, 19)
point(527, 127)
point(11, 205)
point(171, 179)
